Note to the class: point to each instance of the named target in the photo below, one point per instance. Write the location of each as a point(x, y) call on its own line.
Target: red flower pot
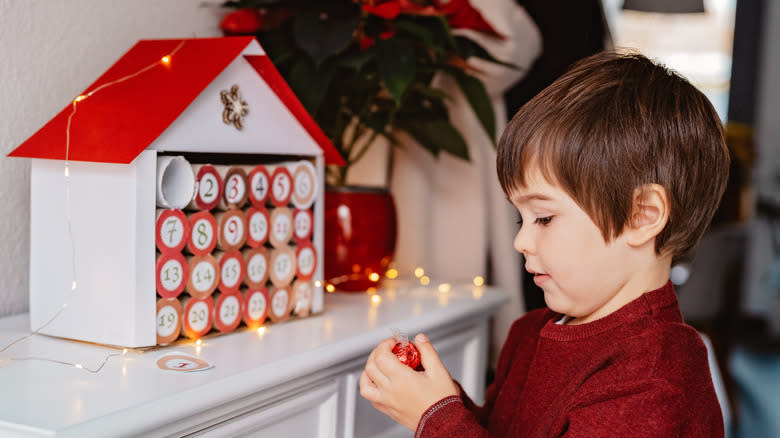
point(360, 234)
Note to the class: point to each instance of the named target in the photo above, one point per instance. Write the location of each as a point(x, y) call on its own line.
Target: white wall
point(50, 51)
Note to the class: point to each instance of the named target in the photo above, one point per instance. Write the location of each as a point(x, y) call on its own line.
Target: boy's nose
point(523, 243)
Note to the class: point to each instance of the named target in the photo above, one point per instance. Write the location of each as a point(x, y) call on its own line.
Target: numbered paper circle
point(256, 305)
point(306, 262)
point(257, 268)
point(280, 303)
point(233, 231)
point(305, 185)
point(202, 235)
point(208, 188)
point(198, 316)
point(172, 230)
point(258, 183)
point(167, 321)
point(283, 266)
point(258, 227)
point(281, 187)
point(282, 228)
point(171, 275)
point(230, 310)
point(203, 276)
point(302, 224)
point(235, 189)
point(231, 272)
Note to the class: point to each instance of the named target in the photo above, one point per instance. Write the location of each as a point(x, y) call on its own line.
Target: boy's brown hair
point(612, 124)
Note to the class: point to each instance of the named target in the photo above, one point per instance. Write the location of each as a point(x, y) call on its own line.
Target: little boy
point(616, 170)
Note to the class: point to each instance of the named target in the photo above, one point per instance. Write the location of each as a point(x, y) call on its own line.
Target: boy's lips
point(539, 277)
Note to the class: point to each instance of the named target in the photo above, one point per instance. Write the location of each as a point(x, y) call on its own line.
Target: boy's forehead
point(536, 188)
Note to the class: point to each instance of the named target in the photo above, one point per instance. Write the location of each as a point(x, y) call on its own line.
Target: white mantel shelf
point(252, 374)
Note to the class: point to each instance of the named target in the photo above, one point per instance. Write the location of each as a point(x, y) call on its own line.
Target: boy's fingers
point(368, 390)
point(428, 355)
point(378, 378)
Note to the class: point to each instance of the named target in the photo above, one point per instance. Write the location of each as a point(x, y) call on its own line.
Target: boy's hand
point(400, 392)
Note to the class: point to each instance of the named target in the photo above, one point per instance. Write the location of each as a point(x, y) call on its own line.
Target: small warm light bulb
point(419, 272)
point(376, 299)
point(478, 280)
point(317, 283)
point(198, 342)
point(166, 59)
point(78, 365)
point(444, 287)
point(67, 171)
point(424, 280)
point(261, 330)
point(373, 276)
point(330, 288)
point(124, 351)
point(391, 273)
point(79, 98)
point(73, 285)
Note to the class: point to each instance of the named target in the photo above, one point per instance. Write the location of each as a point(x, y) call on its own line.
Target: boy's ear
point(649, 214)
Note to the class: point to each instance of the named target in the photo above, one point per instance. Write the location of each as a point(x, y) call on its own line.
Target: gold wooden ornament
point(236, 108)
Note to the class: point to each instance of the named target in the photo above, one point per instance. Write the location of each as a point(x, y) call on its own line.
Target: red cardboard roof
point(121, 121)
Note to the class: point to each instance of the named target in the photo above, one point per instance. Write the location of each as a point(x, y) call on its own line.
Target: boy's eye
point(520, 222)
point(543, 220)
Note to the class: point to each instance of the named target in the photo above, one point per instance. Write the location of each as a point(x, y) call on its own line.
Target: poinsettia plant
point(365, 67)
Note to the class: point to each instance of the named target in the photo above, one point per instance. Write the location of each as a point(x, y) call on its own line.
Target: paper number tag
point(167, 321)
point(171, 275)
point(256, 268)
point(258, 226)
point(172, 232)
point(306, 261)
point(282, 186)
point(235, 189)
point(203, 276)
point(259, 184)
point(280, 302)
point(302, 224)
point(233, 231)
point(202, 234)
point(257, 305)
point(283, 266)
point(303, 185)
point(208, 188)
point(198, 316)
point(281, 228)
point(231, 272)
point(229, 311)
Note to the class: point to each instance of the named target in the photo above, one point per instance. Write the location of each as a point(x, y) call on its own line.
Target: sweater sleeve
point(460, 416)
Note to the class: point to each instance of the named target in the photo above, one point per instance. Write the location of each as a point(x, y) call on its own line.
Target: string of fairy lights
point(391, 274)
point(163, 61)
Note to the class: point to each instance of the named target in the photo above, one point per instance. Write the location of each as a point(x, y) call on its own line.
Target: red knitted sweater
point(639, 372)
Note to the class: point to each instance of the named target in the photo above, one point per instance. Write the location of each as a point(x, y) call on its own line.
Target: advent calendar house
point(162, 97)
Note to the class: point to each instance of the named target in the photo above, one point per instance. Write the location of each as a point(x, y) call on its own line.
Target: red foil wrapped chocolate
point(408, 354)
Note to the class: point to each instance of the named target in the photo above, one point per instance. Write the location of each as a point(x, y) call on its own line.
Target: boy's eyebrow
point(531, 197)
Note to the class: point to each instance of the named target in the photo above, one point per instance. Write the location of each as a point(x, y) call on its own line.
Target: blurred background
point(730, 49)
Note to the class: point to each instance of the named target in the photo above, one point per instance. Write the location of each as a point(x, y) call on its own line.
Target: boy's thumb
point(428, 355)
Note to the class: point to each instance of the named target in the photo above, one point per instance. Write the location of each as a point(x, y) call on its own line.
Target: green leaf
point(421, 32)
point(478, 99)
point(395, 59)
point(309, 84)
point(468, 48)
point(322, 38)
point(356, 61)
point(438, 135)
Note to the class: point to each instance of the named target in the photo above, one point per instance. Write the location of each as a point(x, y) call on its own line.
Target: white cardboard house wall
point(111, 211)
